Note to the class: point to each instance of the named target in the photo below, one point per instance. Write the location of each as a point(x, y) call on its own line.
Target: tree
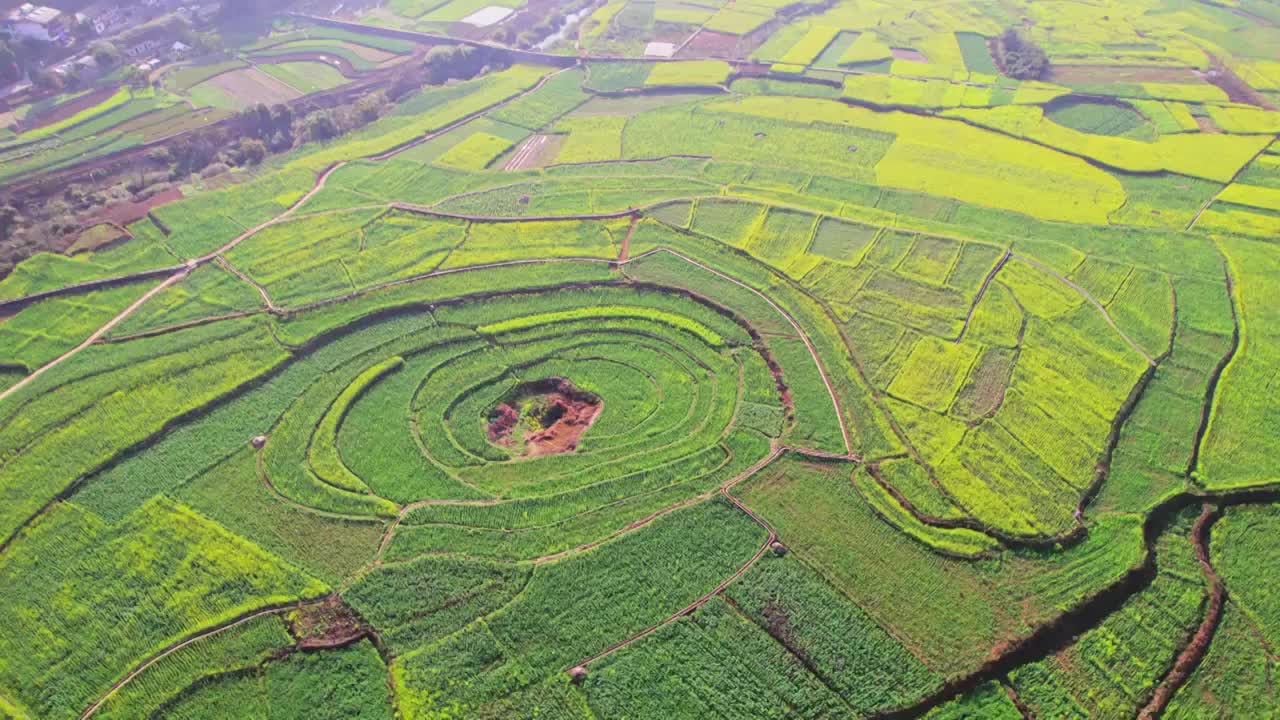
point(46, 80)
point(319, 125)
point(451, 62)
point(405, 82)
point(9, 70)
point(8, 220)
point(83, 29)
point(370, 106)
point(207, 43)
point(106, 54)
point(252, 151)
point(136, 77)
point(1021, 58)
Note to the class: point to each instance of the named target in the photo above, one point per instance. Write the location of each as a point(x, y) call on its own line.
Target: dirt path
point(119, 318)
point(625, 253)
point(982, 291)
point(1045, 640)
point(190, 265)
point(208, 632)
point(1085, 294)
point(727, 491)
point(459, 123)
point(266, 299)
point(1209, 203)
point(844, 431)
point(527, 151)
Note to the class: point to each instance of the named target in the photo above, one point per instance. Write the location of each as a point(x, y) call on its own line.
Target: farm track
point(1209, 203)
point(208, 632)
point(1093, 301)
point(266, 298)
point(726, 490)
point(181, 272)
point(119, 318)
point(1185, 664)
point(982, 291)
point(525, 153)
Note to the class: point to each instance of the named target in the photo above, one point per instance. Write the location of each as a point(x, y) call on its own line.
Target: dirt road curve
point(172, 280)
point(727, 491)
point(1085, 294)
point(179, 645)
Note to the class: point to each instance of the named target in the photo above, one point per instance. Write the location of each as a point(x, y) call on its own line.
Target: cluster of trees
point(444, 63)
point(461, 62)
point(536, 34)
point(18, 56)
point(280, 127)
point(1021, 58)
point(52, 222)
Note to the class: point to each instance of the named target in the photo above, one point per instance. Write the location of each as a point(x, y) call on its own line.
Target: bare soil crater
point(543, 417)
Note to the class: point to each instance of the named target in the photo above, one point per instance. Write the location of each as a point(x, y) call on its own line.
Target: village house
point(37, 21)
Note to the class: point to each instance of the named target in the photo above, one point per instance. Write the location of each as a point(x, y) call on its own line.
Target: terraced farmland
point(826, 370)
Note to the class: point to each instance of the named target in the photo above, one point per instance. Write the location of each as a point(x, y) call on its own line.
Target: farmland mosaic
point(676, 359)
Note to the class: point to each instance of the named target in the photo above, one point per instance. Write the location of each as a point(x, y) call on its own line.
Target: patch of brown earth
point(68, 109)
point(783, 390)
point(97, 237)
point(1225, 79)
point(706, 43)
point(546, 417)
point(1207, 125)
point(908, 54)
point(328, 624)
point(124, 213)
point(1084, 74)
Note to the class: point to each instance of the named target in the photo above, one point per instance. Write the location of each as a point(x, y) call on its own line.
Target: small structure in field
point(659, 49)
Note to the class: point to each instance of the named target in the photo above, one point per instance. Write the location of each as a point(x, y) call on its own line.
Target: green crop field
point(752, 359)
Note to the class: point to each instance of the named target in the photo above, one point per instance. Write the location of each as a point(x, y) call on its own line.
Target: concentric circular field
point(528, 424)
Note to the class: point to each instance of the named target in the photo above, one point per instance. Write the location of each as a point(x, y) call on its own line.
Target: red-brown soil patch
point(61, 112)
point(1207, 125)
point(1083, 74)
point(908, 54)
point(127, 212)
point(706, 43)
point(546, 417)
point(325, 625)
point(1236, 88)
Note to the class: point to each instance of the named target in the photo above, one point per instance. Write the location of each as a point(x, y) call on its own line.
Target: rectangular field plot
point(782, 237)
point(933, 373)
point(729, 221)
point(844, 241)
point(474, 153)
point(930, 258)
